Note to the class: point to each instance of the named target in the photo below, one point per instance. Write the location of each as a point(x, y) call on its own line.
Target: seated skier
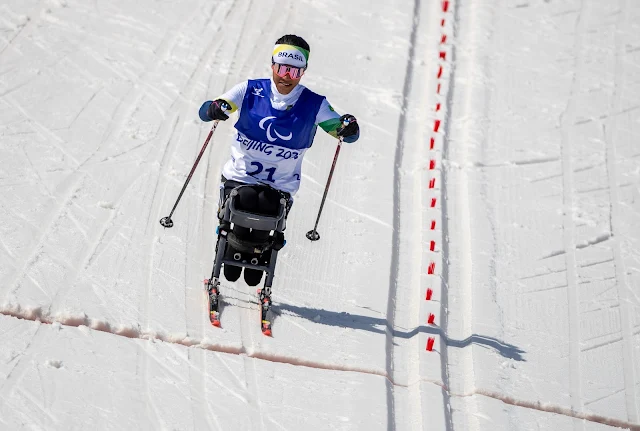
point(276, 126)
point(256, 199)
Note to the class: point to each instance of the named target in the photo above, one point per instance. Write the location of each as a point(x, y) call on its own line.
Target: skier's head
point(289, 61)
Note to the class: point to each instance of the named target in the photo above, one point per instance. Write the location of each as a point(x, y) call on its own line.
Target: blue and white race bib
point(270, 144)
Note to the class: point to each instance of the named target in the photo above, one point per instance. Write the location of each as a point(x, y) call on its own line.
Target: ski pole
point(166, 221)
point(313, 234)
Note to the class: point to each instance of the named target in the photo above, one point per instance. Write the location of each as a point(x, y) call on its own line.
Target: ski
point(264, 300)
point(264, 296)
point(213, 293)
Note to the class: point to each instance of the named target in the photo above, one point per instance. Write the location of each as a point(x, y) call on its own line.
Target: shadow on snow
point(378, 325)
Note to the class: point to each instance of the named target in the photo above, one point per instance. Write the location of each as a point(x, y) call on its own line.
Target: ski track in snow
point(629, 357)
point(18, 369)
point(567, 121)
point(24, 24)
point(171, 136)
point(394, 278)
point(203, 415)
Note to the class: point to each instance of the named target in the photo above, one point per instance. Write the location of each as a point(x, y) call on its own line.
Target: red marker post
point(430, 343)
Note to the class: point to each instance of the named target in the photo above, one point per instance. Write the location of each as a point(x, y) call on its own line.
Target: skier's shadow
point(378, 325)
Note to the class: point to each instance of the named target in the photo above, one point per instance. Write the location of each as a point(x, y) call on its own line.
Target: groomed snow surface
point(103, 319)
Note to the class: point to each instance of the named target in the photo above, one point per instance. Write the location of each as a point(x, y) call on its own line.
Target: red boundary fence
point(442, 70)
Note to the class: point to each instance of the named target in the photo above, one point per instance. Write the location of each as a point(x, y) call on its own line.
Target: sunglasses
point(283, 69)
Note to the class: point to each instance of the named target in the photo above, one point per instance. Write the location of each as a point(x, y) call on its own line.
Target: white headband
point(290, 54)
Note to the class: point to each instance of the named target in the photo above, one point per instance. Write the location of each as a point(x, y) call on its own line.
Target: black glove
point(217, 108)
point(349, 126)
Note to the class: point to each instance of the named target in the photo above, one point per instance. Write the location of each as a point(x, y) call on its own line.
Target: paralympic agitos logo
point(269, 130)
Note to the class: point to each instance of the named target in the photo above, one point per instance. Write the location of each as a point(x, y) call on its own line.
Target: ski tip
point(215, 321)
point(266, 328)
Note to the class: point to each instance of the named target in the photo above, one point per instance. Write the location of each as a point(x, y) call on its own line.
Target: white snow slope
point(103, 319)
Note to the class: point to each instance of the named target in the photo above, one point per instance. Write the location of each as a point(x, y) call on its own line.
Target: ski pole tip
point(166, 222)
point(313, 235)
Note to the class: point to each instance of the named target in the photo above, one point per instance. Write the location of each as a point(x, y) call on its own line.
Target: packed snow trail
point(542, 186)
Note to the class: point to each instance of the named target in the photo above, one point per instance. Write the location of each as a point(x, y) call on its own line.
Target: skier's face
point(285, 84)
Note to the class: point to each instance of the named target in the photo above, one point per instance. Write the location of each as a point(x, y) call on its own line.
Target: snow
point(536, 294)
point(541, 203)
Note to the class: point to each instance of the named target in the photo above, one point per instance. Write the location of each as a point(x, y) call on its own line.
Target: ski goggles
point(283, 69)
